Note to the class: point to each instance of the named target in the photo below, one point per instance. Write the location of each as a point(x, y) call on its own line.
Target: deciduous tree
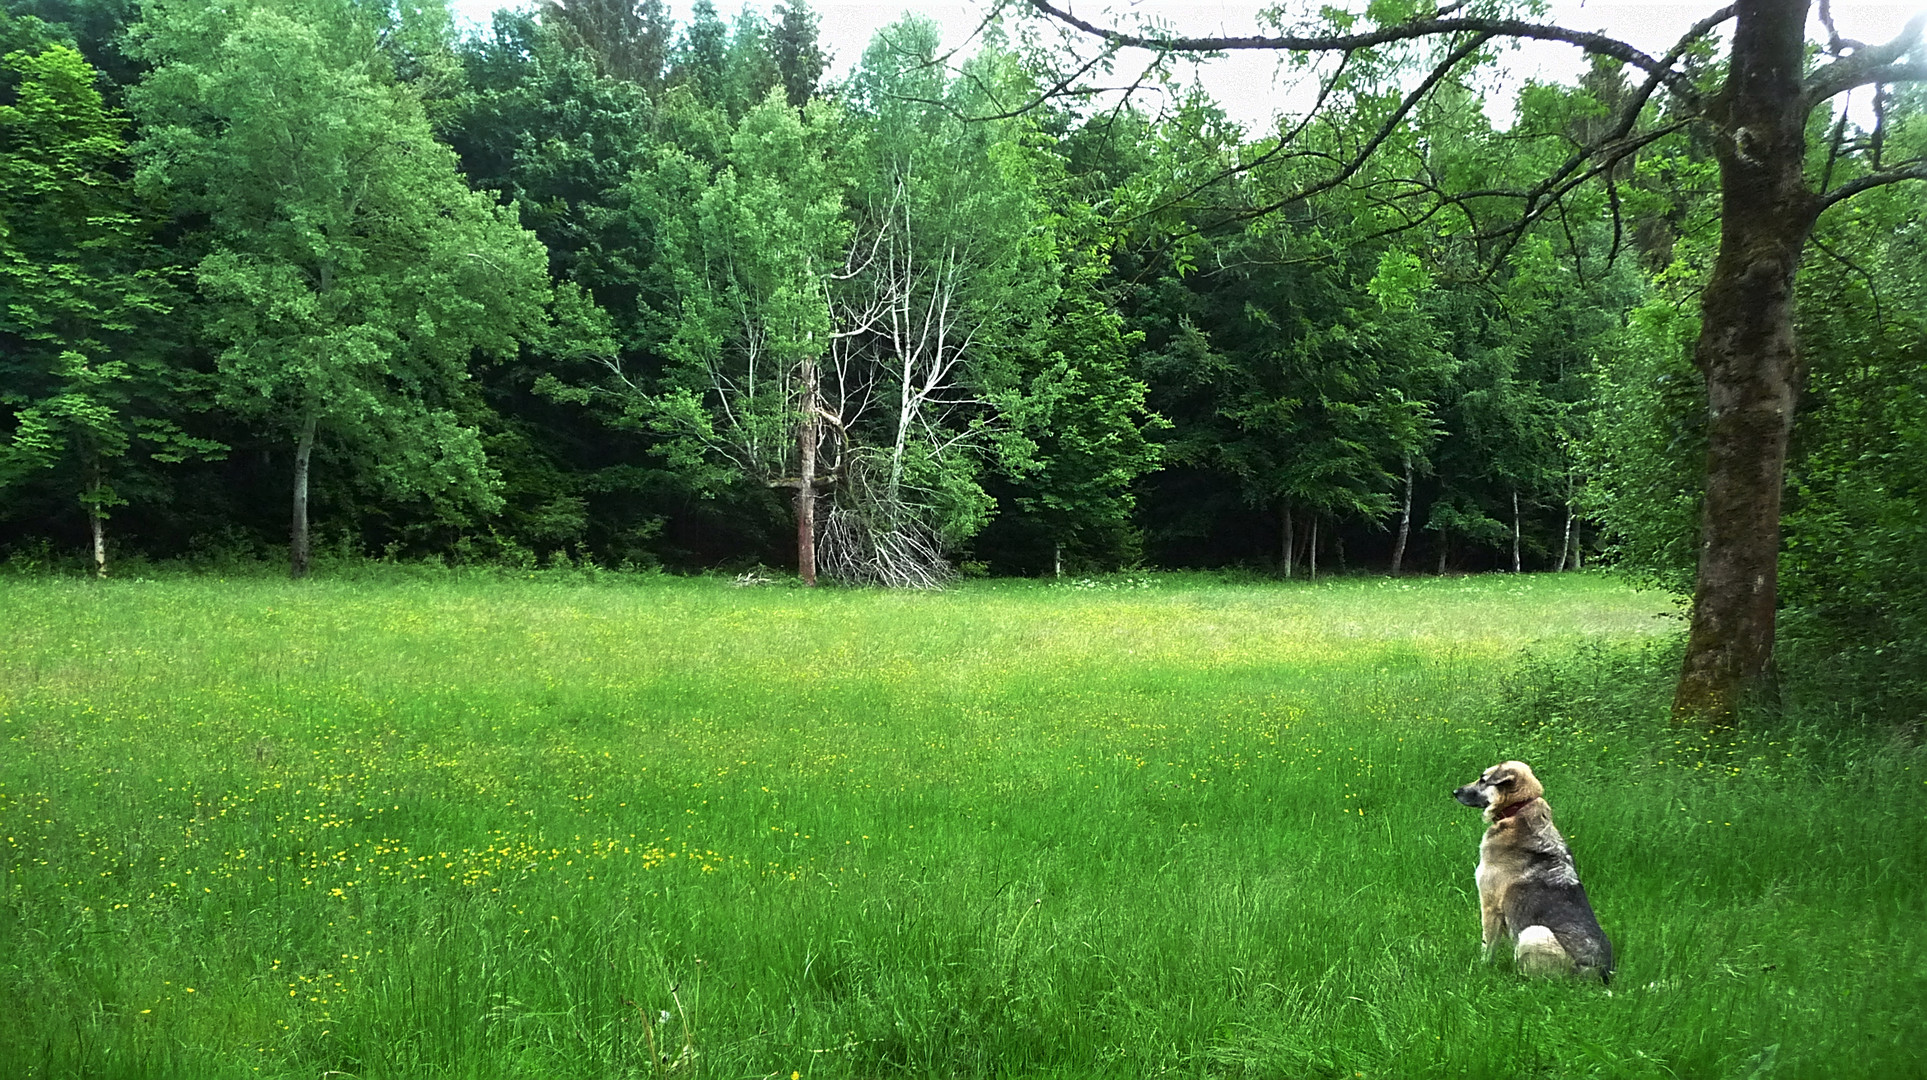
point(350, 275)
point(80, 395)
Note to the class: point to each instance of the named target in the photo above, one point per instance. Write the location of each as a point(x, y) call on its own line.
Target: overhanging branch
point(1675, 80)
point(1873, 64)
point(1916, 170)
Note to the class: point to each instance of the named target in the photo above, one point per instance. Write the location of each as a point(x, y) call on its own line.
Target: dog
point(1528, 888)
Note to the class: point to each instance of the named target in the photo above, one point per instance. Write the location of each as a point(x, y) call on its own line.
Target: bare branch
point(1836, 45)
point(1871, 64)
point(1914, 170)
point(1384, 132)
point(1285, 141)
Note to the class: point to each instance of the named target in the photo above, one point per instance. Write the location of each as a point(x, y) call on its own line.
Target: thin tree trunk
point(1442, 548)
point(1579, 548)
point(1290, 545)
point(1515, 530)
point(1565, 542)
point(1404, 521)
point(1057, 560)
point(298, 538)
point(1312, 554)
point(806, 431)
point(94, 523)
point(1749, 358)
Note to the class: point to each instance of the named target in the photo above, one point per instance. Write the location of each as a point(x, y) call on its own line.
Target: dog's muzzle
point(1470, 795)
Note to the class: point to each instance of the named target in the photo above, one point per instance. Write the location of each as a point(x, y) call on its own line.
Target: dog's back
point(1547, 901)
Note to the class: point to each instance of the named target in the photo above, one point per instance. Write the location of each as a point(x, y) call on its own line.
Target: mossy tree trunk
point(1749, 358)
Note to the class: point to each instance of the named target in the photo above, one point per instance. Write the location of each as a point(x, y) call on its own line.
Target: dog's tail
point(1538, 952)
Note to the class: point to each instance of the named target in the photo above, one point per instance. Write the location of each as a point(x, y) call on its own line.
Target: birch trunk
point(1565, 542)
point(298, 533)
point(95, 525)
point(100, 541)
point(1312, 552)
point(806, 432)
point(1404, 521)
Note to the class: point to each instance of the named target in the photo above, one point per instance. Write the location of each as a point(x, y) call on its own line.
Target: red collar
point(1512, 810)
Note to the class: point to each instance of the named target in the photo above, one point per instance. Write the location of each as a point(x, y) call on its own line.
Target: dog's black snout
point(1469, 795)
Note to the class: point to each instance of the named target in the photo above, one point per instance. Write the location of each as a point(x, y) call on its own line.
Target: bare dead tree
point(898, 379)
point(1754, 115)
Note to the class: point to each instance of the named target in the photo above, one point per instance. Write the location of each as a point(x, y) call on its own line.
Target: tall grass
point(470, 828)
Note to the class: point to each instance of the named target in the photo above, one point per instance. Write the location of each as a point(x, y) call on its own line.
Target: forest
point(330, 280)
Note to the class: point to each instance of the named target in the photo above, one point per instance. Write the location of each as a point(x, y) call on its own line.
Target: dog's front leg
point(1491, 926)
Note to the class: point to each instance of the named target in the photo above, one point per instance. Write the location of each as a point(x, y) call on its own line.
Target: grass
point(455, 827)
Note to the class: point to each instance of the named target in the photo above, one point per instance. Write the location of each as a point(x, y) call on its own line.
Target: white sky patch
point(1247, 84)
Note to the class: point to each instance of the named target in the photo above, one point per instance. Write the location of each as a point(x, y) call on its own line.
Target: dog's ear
point(1520, 784)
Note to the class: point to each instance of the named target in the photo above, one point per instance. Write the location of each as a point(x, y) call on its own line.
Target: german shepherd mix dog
point(1528, 888)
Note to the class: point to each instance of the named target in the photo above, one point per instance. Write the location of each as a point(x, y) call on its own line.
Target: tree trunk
point(1565, 542)
point(1747, 354)
point(1290, 544)
point(1057, 560)
point(1579, 548)
point(806, 432)
point(298, 534)
point(1312, 552)
point(1515, 530)
point(1404, 521)
point(95, 524)
point(1442, 550)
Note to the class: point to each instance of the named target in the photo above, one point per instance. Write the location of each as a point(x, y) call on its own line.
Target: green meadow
point(441, 826)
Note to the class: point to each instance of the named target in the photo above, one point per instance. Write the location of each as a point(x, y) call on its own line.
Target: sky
point(1244, 83)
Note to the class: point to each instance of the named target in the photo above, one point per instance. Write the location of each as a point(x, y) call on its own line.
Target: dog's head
point(1506, 784)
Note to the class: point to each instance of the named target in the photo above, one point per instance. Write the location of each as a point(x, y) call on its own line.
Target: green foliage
point(83, 397)
point(1646, 454)
point(625, 39)
point(793, 45)
point(95, 27)
point(702, 56)
point(349, 274)
point(1085, 418)
point(747, 252)
point(1853, 582)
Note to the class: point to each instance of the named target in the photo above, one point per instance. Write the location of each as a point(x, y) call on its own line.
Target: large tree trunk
point(298, 534)
point(806, 430)
point(1404, 521)
point(1747, 354)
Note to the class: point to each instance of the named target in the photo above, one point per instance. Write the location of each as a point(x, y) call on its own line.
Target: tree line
point(299, 274)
